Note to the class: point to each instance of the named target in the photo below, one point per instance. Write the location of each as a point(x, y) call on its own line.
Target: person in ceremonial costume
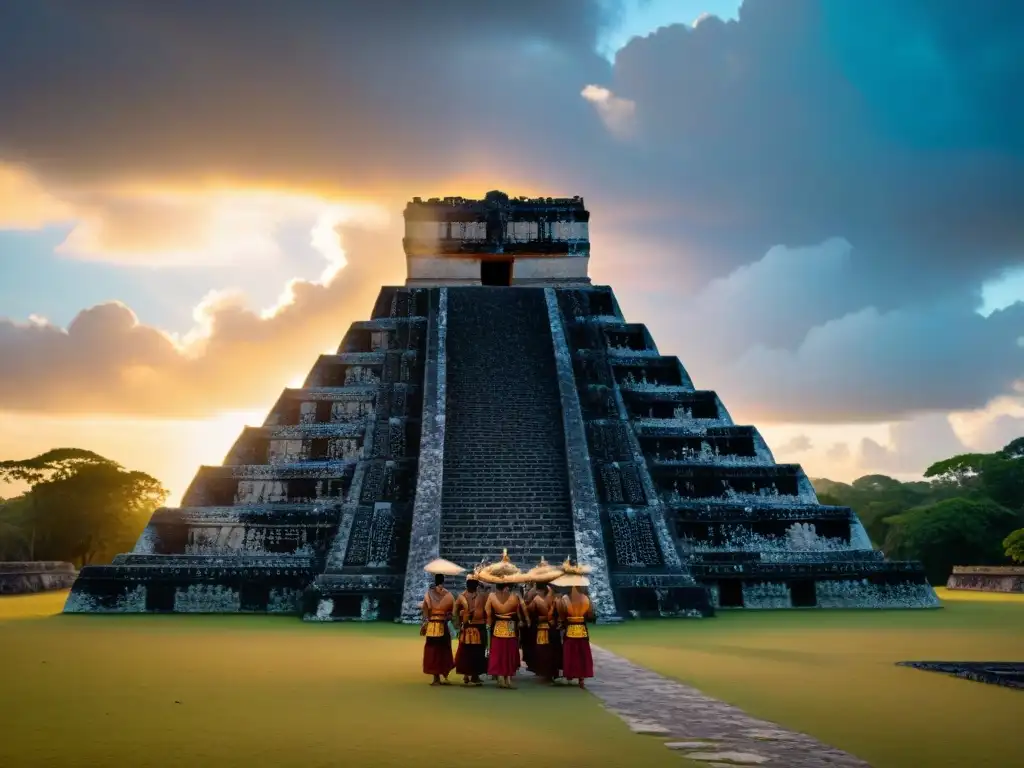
point(438, 605)
point(471, 621)
point(577, 610)
point(546, 652)
point(526, 633)
point(505, 611)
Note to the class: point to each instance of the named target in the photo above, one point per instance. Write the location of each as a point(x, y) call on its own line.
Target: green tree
point(875, 498)
point(1014, 449)
point(52, 465)
point(830, 500)
point(1002, 476)
point(875, 516)
point(958, 531)
point(962, 472)
point(830, 488)
point(94, 513)
point(1014, 545)
point(877, 484)
point(82, 507)
point(15, 542)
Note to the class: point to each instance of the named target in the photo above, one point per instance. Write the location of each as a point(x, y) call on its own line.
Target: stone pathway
point(700, 727)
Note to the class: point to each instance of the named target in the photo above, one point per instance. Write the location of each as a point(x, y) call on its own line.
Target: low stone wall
point(983, 578)
point(22, 578)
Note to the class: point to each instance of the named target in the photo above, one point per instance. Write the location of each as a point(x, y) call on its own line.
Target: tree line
point(80, 508)
point(969, 510)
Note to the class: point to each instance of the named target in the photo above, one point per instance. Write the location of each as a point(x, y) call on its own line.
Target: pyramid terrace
point(498, 399)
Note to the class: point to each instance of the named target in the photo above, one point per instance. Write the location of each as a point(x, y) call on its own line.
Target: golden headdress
point(574, 575)
point(543, 572)
point(574, 570)
point(443, 567)
point(502, 572)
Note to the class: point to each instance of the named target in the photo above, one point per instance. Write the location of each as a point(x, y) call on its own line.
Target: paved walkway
point(700, 727)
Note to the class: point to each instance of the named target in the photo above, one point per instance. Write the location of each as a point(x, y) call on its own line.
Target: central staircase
point(505, 473)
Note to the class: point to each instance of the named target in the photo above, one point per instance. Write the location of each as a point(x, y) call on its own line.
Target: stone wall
point(431, 271)
point(323, 489)
point(425, 537)
point(586, 515)
point(604, 357)
point(987, 579)
point(19, 578)
point(679, 481)
point(193, 585)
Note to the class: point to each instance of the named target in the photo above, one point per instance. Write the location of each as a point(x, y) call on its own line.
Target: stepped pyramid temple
point(498, 399)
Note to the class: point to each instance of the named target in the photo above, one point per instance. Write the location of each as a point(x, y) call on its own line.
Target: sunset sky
point(817, 207)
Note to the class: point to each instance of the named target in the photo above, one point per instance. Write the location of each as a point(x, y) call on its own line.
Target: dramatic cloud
point(807, 120)
point(790, 126)
point(838, 452)
point(343, 96)
point(828, 189)
point(913, 445)
point(24, 203)
point(990, 429)
point(797, 444)
point(106, 362)
point(616, 113)
point(791, 338)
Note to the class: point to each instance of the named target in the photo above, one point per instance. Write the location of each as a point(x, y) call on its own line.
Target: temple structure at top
point(499, 241)
point(498, 400)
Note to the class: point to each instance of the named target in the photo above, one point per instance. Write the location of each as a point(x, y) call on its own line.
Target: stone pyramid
point(498, 399)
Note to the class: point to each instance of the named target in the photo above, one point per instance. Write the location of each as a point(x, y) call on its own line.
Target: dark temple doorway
point(730, 593)
point(497, 272)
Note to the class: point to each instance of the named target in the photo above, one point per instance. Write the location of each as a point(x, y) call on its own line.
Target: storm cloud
point(826, 188)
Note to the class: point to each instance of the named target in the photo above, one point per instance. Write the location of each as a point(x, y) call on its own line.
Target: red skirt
point(556, 643)
point(472, 659)
point(437, 655)
point(547, 657)
point(527, 636)
point(577, 661)
point(504, 660)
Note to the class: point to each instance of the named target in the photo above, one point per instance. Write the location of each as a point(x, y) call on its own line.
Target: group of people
point(502, 629)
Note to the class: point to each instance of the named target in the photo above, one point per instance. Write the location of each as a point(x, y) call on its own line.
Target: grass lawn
point(833, 675)
point(102, 691)
point(253, 691)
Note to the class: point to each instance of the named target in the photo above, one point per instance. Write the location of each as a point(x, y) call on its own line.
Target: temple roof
point(418, 208)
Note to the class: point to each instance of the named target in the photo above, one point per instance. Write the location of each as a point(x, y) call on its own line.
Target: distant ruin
point(987, 578)
point(21, 578)
point(498, 400)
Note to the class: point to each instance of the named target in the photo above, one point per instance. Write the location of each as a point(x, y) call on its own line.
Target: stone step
point(484, 518)
point(483, 534)
point(507, 499)
point(505, 480)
